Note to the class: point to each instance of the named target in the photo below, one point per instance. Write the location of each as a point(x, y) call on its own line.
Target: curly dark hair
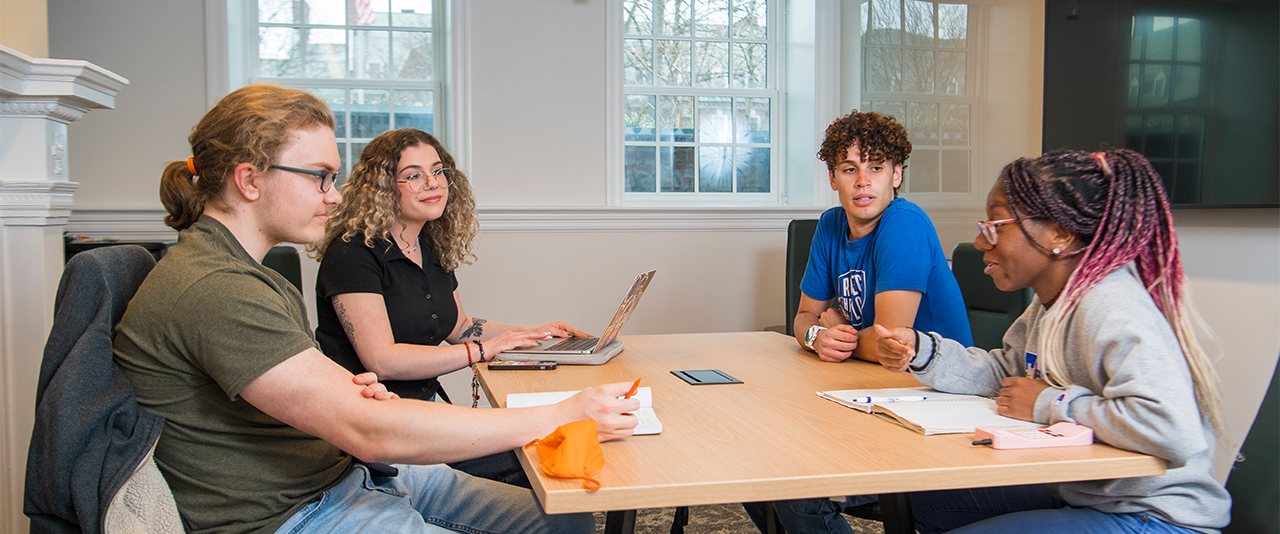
point(879, 138)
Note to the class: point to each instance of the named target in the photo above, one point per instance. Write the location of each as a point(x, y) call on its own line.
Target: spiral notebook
point(926, 410)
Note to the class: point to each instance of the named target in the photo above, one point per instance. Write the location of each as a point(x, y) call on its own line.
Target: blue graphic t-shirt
point(902, 253)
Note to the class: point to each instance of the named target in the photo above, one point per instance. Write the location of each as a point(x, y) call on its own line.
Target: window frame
point(237, 20)
point(617, 93)
point(973, 98)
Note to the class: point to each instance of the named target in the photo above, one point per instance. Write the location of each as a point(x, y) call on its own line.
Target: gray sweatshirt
point(1130, 384)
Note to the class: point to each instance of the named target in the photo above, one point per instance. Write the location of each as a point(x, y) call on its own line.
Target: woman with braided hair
point(1107, 343)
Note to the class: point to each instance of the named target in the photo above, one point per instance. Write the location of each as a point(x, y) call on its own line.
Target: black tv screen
point(1193, 85)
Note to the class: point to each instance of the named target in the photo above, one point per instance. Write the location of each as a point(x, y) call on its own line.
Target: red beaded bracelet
point(468, 346)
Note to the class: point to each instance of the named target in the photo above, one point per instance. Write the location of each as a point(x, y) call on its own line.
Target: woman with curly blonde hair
point(387, 261)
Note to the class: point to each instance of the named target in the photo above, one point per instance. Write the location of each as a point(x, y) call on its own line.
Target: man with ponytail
point(262, 431)
point(1113, 343)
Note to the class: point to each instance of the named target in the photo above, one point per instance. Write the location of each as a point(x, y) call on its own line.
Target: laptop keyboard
point(575, 343)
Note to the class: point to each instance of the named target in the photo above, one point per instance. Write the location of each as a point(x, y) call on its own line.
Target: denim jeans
point(429, 498)
point(809, 516)
point(1019, 509)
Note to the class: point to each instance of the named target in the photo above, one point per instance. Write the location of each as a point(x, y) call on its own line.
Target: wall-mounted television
point(1193, 85)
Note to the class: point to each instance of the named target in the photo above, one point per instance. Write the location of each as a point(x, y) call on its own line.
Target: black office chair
point(991, 311)
point(1255, 493)
point(799, 239)
point(284, 260)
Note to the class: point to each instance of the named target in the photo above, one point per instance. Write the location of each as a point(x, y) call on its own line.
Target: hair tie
point(1102, 162)
point(191, 166)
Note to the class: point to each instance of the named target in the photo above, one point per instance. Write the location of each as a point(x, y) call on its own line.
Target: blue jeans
point(429, 498)
point(809, 516)
point(1019, 509)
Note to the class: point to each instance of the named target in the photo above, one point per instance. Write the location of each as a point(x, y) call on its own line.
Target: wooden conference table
point(772, 438)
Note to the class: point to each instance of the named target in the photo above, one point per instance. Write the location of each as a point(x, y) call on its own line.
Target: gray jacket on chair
point(90, 434)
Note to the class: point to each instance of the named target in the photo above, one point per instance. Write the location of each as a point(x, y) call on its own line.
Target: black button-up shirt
point(419, 301)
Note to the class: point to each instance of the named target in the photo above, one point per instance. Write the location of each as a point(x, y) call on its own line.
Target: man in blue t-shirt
point(875, 259)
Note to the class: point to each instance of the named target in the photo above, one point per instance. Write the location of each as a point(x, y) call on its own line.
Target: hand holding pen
point(608, 406)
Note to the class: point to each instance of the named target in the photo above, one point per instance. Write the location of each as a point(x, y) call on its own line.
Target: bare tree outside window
point(373, 61)
point(917, 65)
point(699, 96)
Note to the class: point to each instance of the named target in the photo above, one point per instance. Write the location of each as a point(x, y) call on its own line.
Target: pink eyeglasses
point(988, 228)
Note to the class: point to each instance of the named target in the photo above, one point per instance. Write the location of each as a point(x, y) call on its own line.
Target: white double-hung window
point(919, 64)
point(700, 110)
point(378, 63)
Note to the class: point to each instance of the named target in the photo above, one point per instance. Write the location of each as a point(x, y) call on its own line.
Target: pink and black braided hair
point(1115, 203)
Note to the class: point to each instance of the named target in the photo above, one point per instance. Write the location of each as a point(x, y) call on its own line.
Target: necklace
point(1049, 304)
point(410, 250)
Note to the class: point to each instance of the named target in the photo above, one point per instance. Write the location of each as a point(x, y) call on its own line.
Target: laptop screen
point(624, 310)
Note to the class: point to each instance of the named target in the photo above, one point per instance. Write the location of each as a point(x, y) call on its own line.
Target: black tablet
point(705, 377)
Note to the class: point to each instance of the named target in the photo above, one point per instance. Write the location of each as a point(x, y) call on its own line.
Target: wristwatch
point(812, 335)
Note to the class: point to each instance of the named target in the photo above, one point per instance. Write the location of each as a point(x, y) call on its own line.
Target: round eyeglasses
point(988, 228)
point(418, 180)
point(326, 178)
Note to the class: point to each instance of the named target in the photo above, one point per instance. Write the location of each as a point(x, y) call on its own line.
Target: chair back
point(991, 311)
point(283, 259)
point(91, 438)
point(799, 240)
point(1255, 495)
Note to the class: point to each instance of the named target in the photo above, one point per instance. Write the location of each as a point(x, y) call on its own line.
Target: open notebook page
point(648, 424)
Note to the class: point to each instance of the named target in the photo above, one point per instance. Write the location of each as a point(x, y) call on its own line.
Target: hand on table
point(602, 403)
point(1018, 397)
point(895, 348)
point(836, 343)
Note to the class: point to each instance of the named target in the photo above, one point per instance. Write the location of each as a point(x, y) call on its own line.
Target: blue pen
point(877, 400)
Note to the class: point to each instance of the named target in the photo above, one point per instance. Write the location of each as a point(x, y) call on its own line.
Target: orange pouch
point(572, 451)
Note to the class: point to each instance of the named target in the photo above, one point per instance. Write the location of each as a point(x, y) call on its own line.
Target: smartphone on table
point(497, 365)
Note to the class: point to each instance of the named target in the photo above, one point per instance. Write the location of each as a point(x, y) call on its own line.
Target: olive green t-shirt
point(207, 321)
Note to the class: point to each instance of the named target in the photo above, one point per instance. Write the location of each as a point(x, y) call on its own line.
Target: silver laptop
point(586, 350)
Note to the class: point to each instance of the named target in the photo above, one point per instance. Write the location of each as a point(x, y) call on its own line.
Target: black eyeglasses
point(418, 181)
point(326, 178)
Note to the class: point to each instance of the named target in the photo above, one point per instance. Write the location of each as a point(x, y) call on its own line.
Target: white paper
point(648, 425)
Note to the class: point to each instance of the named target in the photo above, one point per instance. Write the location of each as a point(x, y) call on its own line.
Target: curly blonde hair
point(370, 202)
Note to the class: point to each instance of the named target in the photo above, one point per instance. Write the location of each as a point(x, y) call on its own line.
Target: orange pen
point(634, 387)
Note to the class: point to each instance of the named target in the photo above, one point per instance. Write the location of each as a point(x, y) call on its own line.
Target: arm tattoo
point(346, 323)
point(475, 330)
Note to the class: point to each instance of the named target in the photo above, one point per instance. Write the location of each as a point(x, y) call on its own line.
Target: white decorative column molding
point(38, 99)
